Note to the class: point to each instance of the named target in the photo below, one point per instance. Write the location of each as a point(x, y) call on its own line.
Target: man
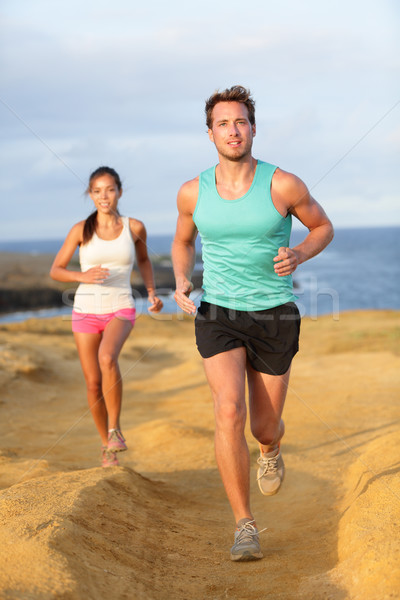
point(247, 325)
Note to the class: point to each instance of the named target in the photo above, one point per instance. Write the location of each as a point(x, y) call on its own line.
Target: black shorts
point(271, 337)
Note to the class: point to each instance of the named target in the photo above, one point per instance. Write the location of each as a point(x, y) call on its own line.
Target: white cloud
point(125, 85)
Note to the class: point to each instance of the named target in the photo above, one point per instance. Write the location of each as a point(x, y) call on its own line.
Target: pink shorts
point(91, 323)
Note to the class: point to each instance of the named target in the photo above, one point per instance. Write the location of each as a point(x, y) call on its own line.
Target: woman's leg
point(114, 337)
point(88, 350)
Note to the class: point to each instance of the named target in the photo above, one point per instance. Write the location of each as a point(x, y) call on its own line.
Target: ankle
point(269, 449)
point(244, 520)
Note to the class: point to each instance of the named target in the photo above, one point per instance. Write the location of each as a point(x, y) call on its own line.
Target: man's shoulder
point(190, 188)
point(288, 189)
point(187, 196)
point(284, 179)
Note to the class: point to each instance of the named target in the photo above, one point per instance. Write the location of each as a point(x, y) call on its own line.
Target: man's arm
point(290, 195)
point(183, 247)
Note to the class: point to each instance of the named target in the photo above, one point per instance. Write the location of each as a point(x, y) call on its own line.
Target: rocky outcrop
point(25, 283)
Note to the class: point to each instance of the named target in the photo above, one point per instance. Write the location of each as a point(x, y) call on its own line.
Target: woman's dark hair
point(91, 222)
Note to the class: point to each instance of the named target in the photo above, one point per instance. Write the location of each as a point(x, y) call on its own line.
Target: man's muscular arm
point(290, 195)
point(183, 247)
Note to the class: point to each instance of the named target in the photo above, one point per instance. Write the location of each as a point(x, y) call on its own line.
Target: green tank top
point(240, 238)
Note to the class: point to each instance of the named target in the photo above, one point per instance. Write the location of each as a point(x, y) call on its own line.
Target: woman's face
point(105, 194)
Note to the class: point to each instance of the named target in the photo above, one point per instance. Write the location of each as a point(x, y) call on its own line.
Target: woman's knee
point(107, 361)
point(93, 386)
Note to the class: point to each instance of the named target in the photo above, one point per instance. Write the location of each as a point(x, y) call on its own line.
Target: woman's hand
point(155, 303)
point(96, 274)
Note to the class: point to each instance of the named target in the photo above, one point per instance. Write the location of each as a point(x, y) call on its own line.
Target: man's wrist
point(299, 255)
point(182, 281)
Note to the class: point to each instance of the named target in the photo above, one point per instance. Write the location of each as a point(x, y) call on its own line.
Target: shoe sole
point(117, 449)
point(246, 556)
point(271, 493)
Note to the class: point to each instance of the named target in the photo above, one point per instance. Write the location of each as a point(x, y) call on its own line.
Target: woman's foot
point(116, 441)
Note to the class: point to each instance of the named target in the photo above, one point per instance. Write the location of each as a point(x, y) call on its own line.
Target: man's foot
point(247, 545)
point(109, 458)
point(116, 441)
point(271, 472)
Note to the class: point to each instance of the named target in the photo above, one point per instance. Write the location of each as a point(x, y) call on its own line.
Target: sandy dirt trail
point(159, 526)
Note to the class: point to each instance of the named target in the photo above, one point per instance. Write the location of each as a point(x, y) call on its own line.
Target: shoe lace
point(269, 464)
point(247, 531)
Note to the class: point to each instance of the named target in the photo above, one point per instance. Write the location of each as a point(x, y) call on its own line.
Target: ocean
point(360, 269)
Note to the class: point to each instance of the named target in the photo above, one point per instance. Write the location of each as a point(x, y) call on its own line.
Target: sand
point(159, 526)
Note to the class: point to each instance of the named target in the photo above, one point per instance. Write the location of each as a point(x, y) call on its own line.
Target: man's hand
point(181, 296)
point(286, 262)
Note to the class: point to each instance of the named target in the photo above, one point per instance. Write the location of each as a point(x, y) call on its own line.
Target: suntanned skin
point(232, 135)
point(98, 353)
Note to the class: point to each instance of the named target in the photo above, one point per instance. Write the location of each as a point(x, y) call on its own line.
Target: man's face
point(231, 130)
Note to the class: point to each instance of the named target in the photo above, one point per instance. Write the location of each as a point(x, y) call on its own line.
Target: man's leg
point(226, 374)
point(267, 394)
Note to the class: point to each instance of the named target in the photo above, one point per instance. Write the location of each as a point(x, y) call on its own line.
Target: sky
point(123, 84)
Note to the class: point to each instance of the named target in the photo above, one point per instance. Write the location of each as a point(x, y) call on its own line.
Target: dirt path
point(159, 526)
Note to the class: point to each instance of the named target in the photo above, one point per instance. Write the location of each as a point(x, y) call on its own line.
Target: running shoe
point(271, 472)
point(109, 458)
point(116, 441)
point(247, 544)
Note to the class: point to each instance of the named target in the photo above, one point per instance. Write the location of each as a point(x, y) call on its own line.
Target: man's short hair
point(236, 93)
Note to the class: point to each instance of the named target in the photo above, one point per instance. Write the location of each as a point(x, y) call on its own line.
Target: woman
point(104, 310)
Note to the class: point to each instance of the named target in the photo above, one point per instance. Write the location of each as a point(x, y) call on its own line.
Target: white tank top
point(118, 257)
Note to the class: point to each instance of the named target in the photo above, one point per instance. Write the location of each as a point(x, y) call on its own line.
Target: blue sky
point(124, 84)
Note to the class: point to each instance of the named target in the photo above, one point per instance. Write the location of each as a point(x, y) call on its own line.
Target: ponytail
point(89, 227)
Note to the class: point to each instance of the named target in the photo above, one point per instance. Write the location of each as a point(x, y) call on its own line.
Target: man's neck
point(234, 178)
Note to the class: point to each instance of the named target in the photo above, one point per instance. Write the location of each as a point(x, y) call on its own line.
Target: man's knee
point(270, 433)
point(230, 414)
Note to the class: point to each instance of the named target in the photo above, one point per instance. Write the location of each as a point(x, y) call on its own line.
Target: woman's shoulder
point(76, 231)
point(136, 227)
point(79, 226)
point(135, 224)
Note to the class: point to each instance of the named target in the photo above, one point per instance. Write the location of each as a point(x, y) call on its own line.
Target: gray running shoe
point(247, 545)
point(271, 472)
